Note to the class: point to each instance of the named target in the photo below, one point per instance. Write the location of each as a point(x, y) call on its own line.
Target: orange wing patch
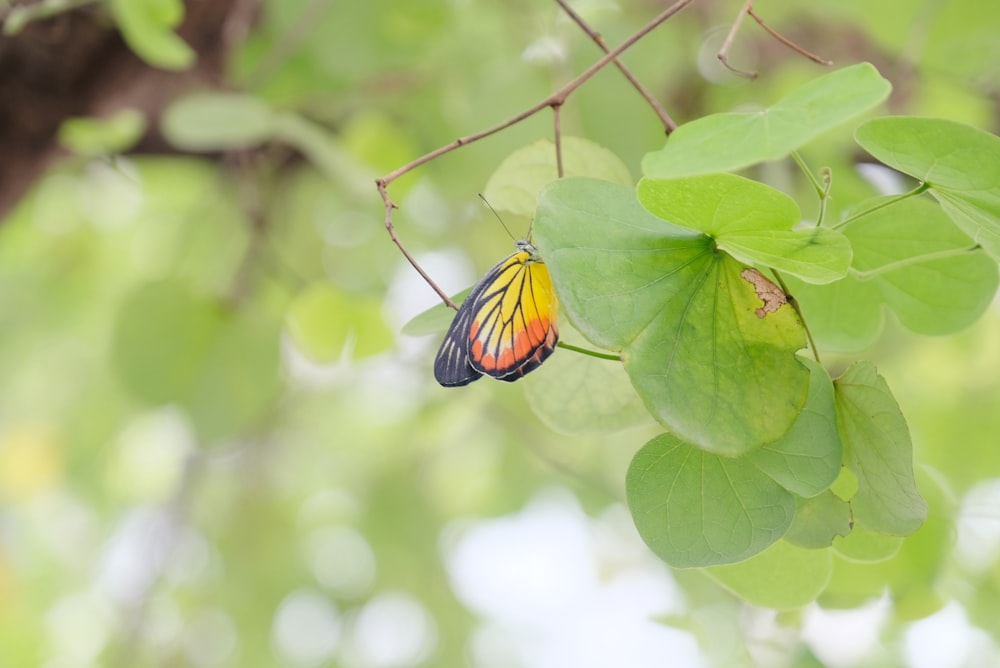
point(507, 325)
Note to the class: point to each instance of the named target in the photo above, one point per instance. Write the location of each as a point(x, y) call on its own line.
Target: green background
point(217, 448)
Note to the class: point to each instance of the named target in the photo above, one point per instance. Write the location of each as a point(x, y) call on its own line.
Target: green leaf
point(694, 508)
point(909, 258)
point(147, 26)
point(783, 576)
point(515, 184)
point(579, 394)
point(864, 545)
point(806, 460)
point(731, 141)
point(819, 520)
point(960, 163)
point(878, 451)
point(436, 319)
point(750, 221)
point(709, 367)
point(218, 122)
point(101, 136)
point(322, 319)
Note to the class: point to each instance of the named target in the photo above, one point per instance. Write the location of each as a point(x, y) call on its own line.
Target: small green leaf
point(908, 257)
point(436, 319)
point(750, 221)
point(864, 545)
point(783, 576)
point(819, 520)
point(694, 508)
point(101, 136)
point(731, 141)
point(218, 121)
point(515, 184)
point(147, 26)
point(322, 319)
point(806, 460)
point(708, 366)
point(878, 451)
point(960, 163)
point(682, 315)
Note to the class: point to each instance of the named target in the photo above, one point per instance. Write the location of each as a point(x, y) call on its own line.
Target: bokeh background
point(218, 449)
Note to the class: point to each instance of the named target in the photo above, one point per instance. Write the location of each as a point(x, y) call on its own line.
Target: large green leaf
point(731, 141)
point(515, 184)
point(783, 576)
point(694, 508)
point(806, 460)
point(909, 258)
point(960, 163)
point(713, 365)
point(750, 221)
point(878, 451)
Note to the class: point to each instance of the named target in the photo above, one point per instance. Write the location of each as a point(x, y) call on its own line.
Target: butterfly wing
point(505, 328)
point(451, 366)
point(514, 327)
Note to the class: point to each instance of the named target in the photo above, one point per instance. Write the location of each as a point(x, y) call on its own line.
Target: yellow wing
point(506, 327)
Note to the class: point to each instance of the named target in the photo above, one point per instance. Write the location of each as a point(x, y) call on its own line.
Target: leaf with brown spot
point(770, 294)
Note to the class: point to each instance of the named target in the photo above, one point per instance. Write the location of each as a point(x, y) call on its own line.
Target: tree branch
point(556, 99)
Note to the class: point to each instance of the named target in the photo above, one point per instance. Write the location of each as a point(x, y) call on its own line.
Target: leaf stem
point(866, 275)
point(592, 353)
point(924, 186)
point(822, 188)
point(798, 309)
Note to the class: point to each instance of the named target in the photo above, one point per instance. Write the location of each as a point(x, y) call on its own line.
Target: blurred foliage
point(216, 449)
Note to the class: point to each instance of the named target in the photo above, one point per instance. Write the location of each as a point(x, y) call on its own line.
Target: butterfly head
point(525, 246)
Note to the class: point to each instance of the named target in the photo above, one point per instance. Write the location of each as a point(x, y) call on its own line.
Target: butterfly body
point(506, 327)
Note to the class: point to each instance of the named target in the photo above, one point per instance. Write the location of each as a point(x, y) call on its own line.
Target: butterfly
point(506, 327)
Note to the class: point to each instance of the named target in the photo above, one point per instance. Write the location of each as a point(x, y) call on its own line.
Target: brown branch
point(389, 206)
point(554, 100)
point(668, 123)
point(787, 42)
point(723, 54)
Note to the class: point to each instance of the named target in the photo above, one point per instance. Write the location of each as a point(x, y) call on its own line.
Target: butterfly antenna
point(507, 229)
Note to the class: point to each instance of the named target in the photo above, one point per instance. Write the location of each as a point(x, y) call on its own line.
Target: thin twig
point(668, 123)
point(723, 54)
point(787, 42)
point(555, 99)
point(389, 206)
point(798, 309)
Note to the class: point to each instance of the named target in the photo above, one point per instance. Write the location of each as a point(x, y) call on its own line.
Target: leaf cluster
point(708, 283)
